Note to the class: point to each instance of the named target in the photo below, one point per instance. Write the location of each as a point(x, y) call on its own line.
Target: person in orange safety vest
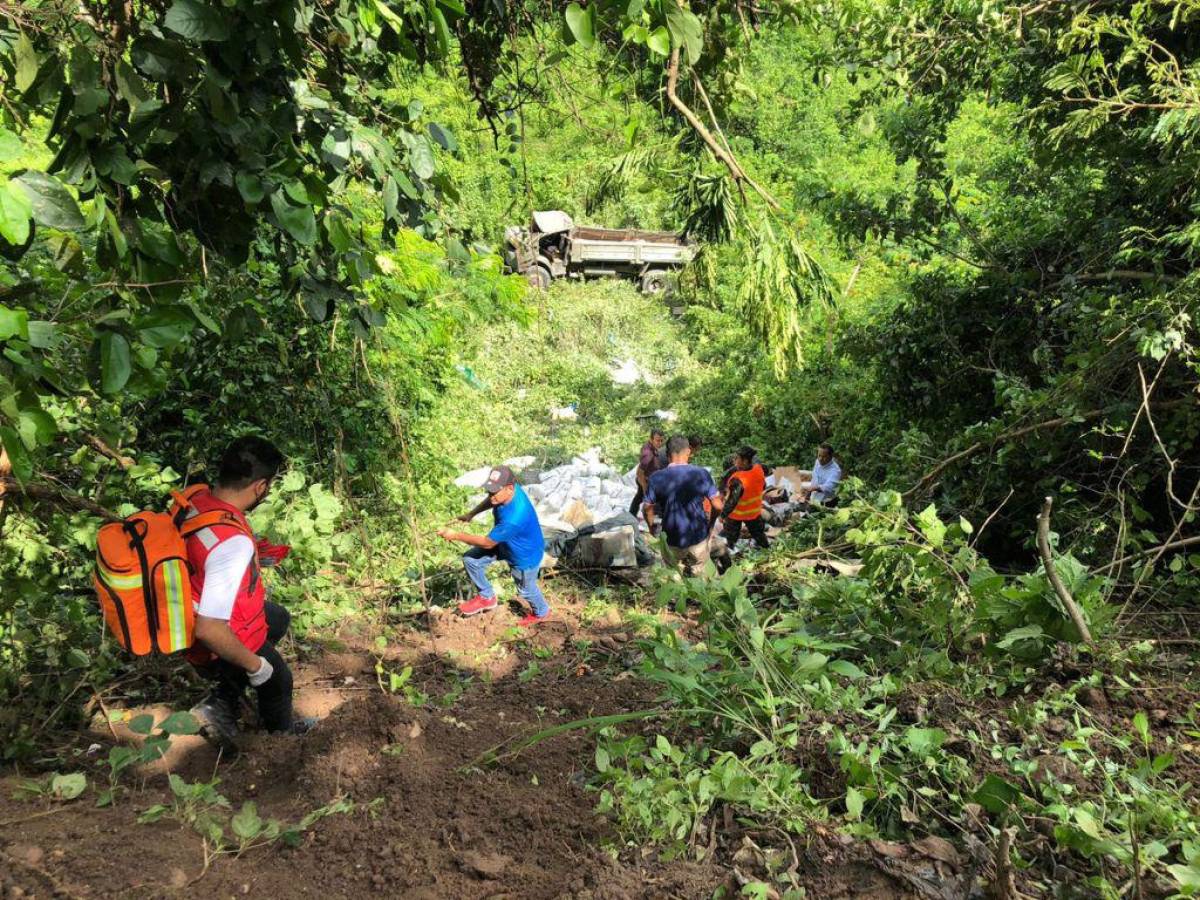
point(744, 498)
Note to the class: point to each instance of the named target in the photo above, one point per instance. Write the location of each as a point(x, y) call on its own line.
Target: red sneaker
point(531, 620)
point(476, 605)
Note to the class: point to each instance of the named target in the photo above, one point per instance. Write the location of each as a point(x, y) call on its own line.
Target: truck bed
point(588, 233)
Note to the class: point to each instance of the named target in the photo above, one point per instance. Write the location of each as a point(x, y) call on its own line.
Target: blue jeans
point(476, 561)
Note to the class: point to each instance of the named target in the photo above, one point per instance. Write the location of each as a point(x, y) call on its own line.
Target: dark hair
point(747, 453)
point(656, 432)
point(248, 459)
point(825, 446)
point(677, 445)
point(695, 441)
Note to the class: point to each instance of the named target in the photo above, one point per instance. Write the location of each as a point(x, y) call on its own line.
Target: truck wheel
point(539, 277)
point(654, 282)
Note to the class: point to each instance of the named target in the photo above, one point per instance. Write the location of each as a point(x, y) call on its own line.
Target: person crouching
point(516, 538)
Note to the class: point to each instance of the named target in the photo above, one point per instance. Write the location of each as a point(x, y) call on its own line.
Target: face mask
point(261, 497)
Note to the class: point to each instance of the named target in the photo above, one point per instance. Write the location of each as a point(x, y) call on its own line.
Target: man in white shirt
point(826, 476)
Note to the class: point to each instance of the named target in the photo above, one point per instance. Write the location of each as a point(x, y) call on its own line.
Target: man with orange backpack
point(745, 489)
point(236, 627)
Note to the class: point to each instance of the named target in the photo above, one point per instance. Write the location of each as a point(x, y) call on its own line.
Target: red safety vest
point(754, 485)
point(249, 620)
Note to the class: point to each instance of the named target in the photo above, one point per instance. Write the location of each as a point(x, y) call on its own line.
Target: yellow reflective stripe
point(119, 582)
point(175, 600)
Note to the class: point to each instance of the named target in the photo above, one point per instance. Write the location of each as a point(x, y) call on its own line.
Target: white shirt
point(825, 478)
point(224, 570)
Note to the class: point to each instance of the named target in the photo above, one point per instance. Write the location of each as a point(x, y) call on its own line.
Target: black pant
point(756, 527)
point(275, 695)
point(637, 501)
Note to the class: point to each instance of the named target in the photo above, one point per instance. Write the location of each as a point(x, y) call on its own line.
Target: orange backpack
point(142, 575)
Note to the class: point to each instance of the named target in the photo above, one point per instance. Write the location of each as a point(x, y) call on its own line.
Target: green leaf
point(854, 803)
point(1142, 725)
point(924, 741)
point(1024, 633)
point(1187, 877)
point(43, 335)
point(130, 85)
point(995, 794)
point(179, 723)
point(52, 204)
point(165, 326)
point(13, 323)
point(579, 20)
point(142, 724)
point(196, 21)
point(78, 658)
point(10, 146)
point(298, 221)
point(27, 63)
point(36, 428)
point(246, 824)
point(250, 186)
point(602, 760)
point(68, 787)
point(115, 363)
point(443, 136)
point(846, 668)
point(422, 159)
point(22, 464)
point(686, 30)
point(659, 41)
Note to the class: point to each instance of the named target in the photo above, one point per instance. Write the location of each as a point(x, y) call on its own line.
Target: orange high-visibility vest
point(754, 485)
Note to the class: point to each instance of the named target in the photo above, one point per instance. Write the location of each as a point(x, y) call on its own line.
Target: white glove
point(263, 675)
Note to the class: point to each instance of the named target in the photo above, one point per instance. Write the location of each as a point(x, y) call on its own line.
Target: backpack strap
point(216, 517)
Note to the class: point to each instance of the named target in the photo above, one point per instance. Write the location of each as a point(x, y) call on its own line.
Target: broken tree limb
point(10, 487)
point(928, 479)
point(726, 158)
point(1161, 548)
point(98, 444)
point(1043, 542)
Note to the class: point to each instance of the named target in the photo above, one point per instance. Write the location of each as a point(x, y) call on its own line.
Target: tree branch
point(57, 495)
point(730, 162)
point(1043, 542)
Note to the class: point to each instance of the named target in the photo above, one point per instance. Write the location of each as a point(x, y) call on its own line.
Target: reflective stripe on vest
point(754, 485)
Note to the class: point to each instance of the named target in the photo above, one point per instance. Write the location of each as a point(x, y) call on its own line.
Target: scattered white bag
point(476, 478)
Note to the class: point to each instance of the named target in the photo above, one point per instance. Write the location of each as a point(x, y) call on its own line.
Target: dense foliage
point(957, 239)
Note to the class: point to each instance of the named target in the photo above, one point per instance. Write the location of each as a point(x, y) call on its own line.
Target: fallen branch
point(97, 444)
point(932, 475)
point(1043, 541)
point(1161, 548)
point(730, 162)
point(59, 495)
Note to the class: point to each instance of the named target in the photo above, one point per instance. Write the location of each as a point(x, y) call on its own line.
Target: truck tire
point(655, 282)
point(539, 277)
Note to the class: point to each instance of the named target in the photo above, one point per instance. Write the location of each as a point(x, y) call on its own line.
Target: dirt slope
point(425, 822)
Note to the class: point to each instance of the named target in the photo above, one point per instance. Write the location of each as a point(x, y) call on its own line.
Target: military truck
point(554, 247)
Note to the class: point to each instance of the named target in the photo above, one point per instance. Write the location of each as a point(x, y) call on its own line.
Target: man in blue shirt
point(516, 538)
point(826, 476)
point(676, 495)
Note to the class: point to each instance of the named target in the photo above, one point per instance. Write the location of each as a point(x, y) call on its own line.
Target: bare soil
point(431, 818)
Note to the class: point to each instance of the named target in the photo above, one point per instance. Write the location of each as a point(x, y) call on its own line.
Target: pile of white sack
point(582, 492)
point(583, 482)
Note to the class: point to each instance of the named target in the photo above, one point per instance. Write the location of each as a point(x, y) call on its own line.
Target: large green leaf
point(196, 21)
point(13, 323)
point(27, 63)
point(579, 20)
point(686, 30)
point(165, 326)
point(422, 159)
point(22, 465)
point(10, 145)
point(443, 136)
point(298, 221)
point(660, 41)
point(52, 204)
point(115, 362)
point(15, 211)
